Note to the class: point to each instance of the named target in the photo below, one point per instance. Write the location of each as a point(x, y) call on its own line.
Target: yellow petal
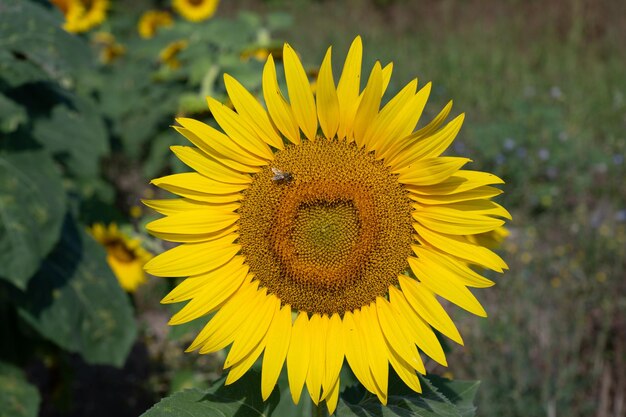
point(387, 76)
point(279, 110)
point(170, 206)
point(398, 342)
point(196, 222)
point(455, 222)
point(197, 285)
point(222, 330)
point(463, 273)
point(278, 337)
point(428, 130)
point(239, 130)
point(218, 144)
point(299, 355)
point(300, 93)
point(241, 367)
point(461, 248)
point(348, 88)
point(227, 319)
point(421, 333)
point(404, 121)
point(326, 100)
point(484, 192)
point(404, 370)
point(430, 171)
point(318, 326)
point(194, 182)
point(383, 125)
point(209, 297)
point(366, 321)
point(333, 397)
point(193, 258)
point(369, 105)
point(461, 181)
point(209, 167)
point(426, 305)
point(206, 146)
point(334, 355)
point(252, 112)
point(253, 330)
point(356, 352)
point(439, 281)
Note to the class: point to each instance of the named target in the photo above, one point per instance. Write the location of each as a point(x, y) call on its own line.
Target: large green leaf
point(18, 398)
point(75, 301)
point(32, 206)
point(12, 115)
point(33, 32)
point(76, 133)
point(241, 399)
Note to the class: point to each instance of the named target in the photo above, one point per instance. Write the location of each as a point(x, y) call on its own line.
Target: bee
point(281, 177)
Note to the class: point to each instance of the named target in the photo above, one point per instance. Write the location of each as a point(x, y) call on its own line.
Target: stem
point(319, 410)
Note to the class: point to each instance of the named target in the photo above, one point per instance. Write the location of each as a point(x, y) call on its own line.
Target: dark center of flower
point(328, 230)
point(118, 249)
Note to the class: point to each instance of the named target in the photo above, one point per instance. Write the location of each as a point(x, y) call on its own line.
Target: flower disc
point(334, 235)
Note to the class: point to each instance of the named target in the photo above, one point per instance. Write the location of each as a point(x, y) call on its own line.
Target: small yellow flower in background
point(260, 53)
point(82, 15)
point(324, 228)
point(151, 21)
point(110, 50)
point(195, 10)
point(169, 54)
point(125, 255)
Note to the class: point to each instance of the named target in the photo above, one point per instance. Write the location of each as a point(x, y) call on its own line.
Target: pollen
point(332, 237)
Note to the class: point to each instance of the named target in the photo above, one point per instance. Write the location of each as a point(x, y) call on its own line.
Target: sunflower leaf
point(32, 206)
point(18, 398)
point(75, 301)
point(243, 399)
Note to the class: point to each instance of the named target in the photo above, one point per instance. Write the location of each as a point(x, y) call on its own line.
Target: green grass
point(543, 89)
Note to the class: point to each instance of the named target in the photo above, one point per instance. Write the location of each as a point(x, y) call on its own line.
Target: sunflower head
point(324, 228)
point(169, 54)
point(195, 10)
point(82, 15)
point(125, 256)
point(110, 49)
point(151, 21)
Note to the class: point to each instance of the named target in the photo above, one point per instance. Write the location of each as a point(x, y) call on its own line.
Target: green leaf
point(33, 32)
point(12, 115)
point(18, 398)
point(76, 133)
point(440, 398)
point(75, 301)
point(32, 206)
point(241, 399)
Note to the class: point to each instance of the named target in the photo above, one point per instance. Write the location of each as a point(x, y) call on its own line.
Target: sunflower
point(151, 21)
point(110, 50)
point(324, 229)
point(195, 10)
point(82, 15)
point(125, 256)
point(169, 54)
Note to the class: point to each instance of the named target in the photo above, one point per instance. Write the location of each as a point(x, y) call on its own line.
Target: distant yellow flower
point(125, 256)
point(110, 50)
point(151, 21)
point(325, 228)
point(169, 54)
point(261, 53)
point(82, 15)
point(195, 10)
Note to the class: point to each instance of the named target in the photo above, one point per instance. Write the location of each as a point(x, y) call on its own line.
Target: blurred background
point(90, 88)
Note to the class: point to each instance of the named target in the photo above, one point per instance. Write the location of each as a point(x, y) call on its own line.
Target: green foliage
point(441, 397)
point(32, 208)
point(18, 398)
point(75, 301)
